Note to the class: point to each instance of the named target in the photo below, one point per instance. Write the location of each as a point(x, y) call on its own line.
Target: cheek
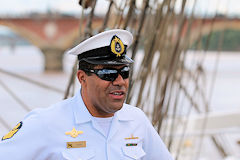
point(97, 87)
point(126, 83)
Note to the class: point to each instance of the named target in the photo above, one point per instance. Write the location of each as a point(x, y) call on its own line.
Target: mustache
point(117, 88)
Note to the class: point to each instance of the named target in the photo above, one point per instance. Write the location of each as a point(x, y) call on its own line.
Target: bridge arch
point(16, 53)
point(52, 35)
point(24, 33)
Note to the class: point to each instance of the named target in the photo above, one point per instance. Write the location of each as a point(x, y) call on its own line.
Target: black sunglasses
point(110, 74)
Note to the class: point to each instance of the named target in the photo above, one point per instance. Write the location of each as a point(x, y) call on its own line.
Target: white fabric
point(104, 123)
point(42, 136)
point(101, 40)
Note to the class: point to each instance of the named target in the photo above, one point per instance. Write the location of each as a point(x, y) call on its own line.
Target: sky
point(27, 6)
point(21, 7)
point(15, 7)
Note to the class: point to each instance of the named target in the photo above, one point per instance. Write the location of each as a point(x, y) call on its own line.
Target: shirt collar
point(125, 113)
point(80, 112)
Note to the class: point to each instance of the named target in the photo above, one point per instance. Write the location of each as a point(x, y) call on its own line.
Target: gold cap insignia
point(117, 46)
point(13, 131)
point(74, 133)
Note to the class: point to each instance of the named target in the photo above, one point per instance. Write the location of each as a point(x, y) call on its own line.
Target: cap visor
point(115, 61)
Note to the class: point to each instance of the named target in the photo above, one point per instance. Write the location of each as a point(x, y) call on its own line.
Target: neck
point(93, 110)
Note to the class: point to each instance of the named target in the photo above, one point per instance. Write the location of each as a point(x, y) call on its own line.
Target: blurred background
point(185, 77)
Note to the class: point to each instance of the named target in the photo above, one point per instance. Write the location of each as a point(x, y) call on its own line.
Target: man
point(95, 124)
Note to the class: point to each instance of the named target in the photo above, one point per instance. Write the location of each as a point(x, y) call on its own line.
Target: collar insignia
point(117, 46)
point(13, 131)
point(132, 137)
point(74, 133)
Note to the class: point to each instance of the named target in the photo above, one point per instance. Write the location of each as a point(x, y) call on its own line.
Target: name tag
point(79, 144)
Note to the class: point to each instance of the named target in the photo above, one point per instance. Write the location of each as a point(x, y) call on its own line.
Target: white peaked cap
point(101, 40)
point(108, 47)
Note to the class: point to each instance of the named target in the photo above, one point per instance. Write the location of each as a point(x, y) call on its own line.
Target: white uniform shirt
point(104, 123)
point(42, 135)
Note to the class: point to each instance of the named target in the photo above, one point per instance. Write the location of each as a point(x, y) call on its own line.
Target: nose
point(119, 81)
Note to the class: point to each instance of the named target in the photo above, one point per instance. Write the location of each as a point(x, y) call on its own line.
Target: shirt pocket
point(133, 152)
point(74, 154)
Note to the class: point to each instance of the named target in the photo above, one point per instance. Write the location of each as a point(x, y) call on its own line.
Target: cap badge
point(117, 46)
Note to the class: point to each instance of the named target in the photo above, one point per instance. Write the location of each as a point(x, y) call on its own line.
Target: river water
point(28, 61)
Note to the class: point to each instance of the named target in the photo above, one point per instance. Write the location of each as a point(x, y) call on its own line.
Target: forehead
point(110, 66)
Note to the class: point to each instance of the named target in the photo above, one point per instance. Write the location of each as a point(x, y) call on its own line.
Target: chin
point(117, 107)
point(120, 106)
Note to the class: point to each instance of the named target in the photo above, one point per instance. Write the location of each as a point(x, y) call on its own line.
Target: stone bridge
point(55, 35)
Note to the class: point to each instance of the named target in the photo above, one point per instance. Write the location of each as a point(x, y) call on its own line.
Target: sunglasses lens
point(112, 74)
point(107, 74)
point(124, 72)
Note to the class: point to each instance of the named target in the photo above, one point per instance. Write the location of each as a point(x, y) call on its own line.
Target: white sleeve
point(26, 143)
point(153, 145)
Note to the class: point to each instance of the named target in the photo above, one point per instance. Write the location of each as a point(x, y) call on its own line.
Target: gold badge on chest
point(74, 133)
point(132, 137)
point(79, 144)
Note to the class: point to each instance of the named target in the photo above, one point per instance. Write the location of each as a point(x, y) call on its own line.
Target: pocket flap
point(134, 152)
point(73, 154)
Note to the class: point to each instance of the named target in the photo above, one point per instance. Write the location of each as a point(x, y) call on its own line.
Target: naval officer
point(95, 124)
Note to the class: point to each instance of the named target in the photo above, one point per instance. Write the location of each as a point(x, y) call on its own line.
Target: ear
point(81, 77)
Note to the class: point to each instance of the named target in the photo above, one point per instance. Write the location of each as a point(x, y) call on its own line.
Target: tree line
point(230, 41)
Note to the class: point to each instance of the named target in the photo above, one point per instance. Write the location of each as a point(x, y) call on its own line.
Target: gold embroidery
point(132, 137)
point(117, 46)
point(74, 133)
point(13, 131)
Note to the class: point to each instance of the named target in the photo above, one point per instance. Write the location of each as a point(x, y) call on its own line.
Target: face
point(103, 98)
